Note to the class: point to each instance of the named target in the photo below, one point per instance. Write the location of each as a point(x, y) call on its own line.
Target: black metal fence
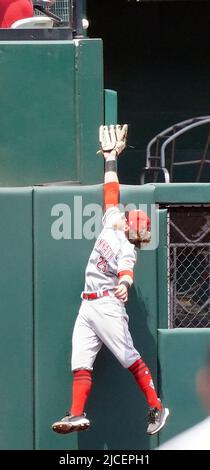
point(189, 267)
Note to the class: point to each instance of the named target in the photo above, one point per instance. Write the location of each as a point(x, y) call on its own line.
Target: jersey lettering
point(111, 254)
point(103, 247)
point(102, 264)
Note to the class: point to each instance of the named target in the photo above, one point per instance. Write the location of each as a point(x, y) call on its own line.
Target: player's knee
point(129, 361)
point(82, 368)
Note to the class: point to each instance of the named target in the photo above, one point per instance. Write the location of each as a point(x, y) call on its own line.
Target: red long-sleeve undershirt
point(111, 194)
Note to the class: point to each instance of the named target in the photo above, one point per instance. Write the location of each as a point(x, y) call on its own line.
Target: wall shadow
point(116, 407)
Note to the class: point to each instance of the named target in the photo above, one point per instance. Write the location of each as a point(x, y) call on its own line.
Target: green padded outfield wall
point(182, 352)
point(42, 277)
point(51, 96)
point(116, 407)
point(16, 311)
point(110, 101)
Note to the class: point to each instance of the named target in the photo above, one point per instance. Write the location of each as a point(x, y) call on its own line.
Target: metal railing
point(61, 9)
point(71, 12)
point(156, 150)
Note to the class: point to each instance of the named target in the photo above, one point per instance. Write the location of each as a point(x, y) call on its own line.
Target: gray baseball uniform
point(104, 320)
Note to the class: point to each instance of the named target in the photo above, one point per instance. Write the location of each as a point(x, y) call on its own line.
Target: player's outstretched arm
point(113, 142)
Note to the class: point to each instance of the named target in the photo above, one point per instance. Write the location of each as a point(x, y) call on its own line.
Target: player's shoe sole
point(66, 426)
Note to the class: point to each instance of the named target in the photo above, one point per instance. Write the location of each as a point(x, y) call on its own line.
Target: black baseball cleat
point(156, 419)
point(71, 423)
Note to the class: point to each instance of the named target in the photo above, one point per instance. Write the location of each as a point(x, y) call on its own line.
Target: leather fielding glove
point(113, 138)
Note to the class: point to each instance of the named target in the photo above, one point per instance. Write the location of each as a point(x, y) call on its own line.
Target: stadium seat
point(33, 22)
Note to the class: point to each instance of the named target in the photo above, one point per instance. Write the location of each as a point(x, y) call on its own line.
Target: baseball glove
point(113, 138)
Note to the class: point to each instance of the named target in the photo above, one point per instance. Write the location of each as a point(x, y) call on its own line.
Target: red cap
point(137, 220)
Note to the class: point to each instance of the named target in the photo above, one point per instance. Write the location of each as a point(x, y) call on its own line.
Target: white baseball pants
point(102, 321)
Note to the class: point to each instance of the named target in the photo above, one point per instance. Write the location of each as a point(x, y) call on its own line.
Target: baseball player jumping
point(102, 316)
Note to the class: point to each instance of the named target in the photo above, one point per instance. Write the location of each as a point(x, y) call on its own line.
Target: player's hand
point(113, 139)
point(121, 292)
